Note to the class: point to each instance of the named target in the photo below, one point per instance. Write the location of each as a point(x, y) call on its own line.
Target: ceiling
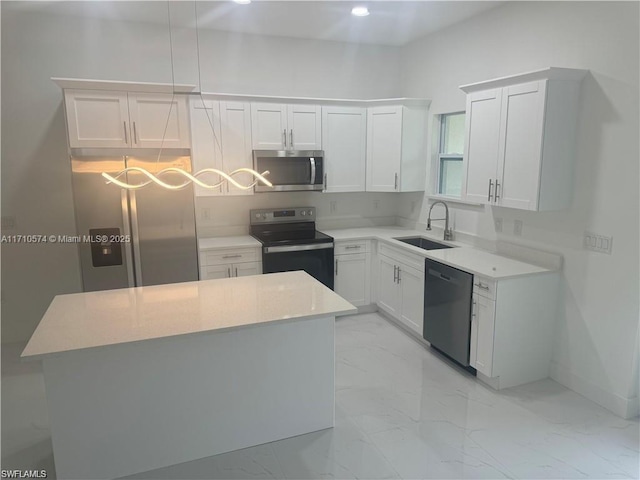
point(390, 22)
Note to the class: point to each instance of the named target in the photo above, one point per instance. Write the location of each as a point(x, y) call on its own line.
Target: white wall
point(36, 179)
point(598, 321)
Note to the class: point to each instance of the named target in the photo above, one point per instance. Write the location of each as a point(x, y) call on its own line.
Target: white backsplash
point(224, 216)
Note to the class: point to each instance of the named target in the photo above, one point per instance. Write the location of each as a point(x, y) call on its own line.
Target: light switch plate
point(497, 222)
point(517, 228)
point(333, 206)
point(597, 243)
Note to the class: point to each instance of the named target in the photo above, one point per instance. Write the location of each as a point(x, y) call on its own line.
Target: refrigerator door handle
point(126, 229)
point(135, 239)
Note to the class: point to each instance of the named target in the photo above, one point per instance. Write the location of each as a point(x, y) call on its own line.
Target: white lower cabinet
point(229, 262)
point(482, 328)
point(353, 272)
point(512, 324)
point(401, 287)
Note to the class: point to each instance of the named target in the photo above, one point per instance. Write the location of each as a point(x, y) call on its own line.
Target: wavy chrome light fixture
point(189, 178)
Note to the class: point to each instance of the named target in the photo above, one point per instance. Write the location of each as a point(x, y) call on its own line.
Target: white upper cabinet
point(235, 118)
point(520, 139)
point(206, 147)
point(269, 126)
point(108, 119)
point(482, 132)
point(281, 127)
point(159, 120)
point(344, 134)
point(396, 160)
point(221, 139)
point(97, 118)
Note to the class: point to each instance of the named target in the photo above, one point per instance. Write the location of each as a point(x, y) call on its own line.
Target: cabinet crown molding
point(121, 86)
point(550, 73)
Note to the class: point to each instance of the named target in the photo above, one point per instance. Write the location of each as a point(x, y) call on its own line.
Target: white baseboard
point(621, 406)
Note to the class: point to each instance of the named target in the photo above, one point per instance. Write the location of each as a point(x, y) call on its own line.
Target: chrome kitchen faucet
point(448, 232)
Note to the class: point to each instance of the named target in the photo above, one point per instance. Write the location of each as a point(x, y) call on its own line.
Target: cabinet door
point(269, 126)
point(246, 269)
point(235, 119)
point(344, 134)
point(212, 272)
point(206, 150)
point(521, 151)
point(305, 127)
point(352, 278)
point(482, 145)
point(411, 283)
point(384, 148)
point(159, 120)
point(388, 291)
point(97, 119)
point(485, 311)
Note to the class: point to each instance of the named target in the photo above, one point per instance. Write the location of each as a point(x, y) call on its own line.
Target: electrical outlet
point(517, 228)
point(206, 214)
point(333, 205)
point(376, 203)
point(497, 222)
point(597, 243)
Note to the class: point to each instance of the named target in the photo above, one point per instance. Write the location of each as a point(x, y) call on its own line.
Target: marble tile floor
point(401, 412)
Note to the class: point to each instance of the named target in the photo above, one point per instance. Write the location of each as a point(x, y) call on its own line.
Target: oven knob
point(257, 215)
point(310, 212)
point(303, 213)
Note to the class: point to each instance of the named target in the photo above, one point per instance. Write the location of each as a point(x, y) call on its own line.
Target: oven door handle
point(298, 248)
point(312, 161)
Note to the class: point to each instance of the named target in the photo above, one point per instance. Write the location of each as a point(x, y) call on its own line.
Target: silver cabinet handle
point(336, 267)
point(232, 256)
point(229, 272)
point(284, 134)
point(399, 276)
point(473, 309)
point(395, 183)
point(490, 185)
point(395, 276)
point(325, 181)
point(349, 247)
point(291, 138)
point(495, 195)
point(482, 286)
point(236, 271)
point(135, 133)
point(126, 137)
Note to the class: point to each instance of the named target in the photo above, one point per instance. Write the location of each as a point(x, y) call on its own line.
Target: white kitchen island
point(142, 378)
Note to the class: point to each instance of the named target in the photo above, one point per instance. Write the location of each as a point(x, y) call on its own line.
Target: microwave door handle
point(312, 161)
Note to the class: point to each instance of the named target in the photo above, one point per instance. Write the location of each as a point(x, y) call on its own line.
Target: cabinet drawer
point(225, 257)
point(398, 255)
point(484, 287)
point(356, 246)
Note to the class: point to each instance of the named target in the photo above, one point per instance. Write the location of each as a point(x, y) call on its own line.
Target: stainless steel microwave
point(290, 170)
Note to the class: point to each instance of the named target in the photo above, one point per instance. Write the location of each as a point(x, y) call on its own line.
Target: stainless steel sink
point(423, 243)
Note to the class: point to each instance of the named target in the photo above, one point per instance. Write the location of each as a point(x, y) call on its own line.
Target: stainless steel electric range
point(290, 241)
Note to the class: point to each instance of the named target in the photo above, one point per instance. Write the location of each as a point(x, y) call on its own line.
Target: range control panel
point(298, 214)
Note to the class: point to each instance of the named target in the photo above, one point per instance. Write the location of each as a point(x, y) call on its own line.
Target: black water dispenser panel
point(106, 249)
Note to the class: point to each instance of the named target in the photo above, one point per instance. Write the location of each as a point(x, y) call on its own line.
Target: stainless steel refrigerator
point(138, 237)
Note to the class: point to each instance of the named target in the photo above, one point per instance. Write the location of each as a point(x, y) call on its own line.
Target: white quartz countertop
point(463, 256)
point(228, 242)
point(110, 317)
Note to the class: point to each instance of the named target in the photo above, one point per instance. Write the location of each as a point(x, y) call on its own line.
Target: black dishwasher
point(447, 310)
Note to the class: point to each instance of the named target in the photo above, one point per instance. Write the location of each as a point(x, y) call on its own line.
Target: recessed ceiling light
point(360, 11)
point(242, 2)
